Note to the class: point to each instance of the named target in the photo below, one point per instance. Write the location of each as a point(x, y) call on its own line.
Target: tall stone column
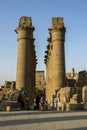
point(55, 59)
point(57, 31)
point(49, 71)
point(26, 62)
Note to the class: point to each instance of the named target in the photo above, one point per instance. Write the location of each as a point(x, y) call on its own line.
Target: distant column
point(26, 62)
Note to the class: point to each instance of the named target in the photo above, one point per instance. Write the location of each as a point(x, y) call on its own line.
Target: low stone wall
point(78, 106)
point(13, 105)
point(68, 106)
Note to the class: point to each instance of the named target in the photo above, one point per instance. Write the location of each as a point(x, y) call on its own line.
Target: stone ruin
point(9, 95)
point(67, 100)
point(70, 98)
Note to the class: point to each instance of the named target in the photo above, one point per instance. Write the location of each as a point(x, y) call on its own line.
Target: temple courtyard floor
point(43, 120)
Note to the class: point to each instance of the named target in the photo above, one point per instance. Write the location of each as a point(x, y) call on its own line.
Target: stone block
point(78, 106)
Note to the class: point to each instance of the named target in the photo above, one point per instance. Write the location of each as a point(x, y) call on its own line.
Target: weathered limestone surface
point(64, 95)
point(55, 58)
point(26, 62)
point(74, 99)
point(67, 101)
point(84, 95)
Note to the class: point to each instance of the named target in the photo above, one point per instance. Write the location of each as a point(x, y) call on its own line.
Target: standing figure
point(42, 102)
point(37, 102)
point(19, 100)
point(55, 100)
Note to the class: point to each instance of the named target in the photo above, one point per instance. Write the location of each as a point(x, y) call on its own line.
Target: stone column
point(26, 62)
point(55, 59)
point(57, 31)
point(49, 71)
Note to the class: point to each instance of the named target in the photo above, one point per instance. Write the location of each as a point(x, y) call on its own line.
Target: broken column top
point(57, 22)
point(25, 23)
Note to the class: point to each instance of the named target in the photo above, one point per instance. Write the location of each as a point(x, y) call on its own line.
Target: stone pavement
point(43, 120)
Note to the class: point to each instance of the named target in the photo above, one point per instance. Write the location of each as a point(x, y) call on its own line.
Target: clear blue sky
point(74, 13)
